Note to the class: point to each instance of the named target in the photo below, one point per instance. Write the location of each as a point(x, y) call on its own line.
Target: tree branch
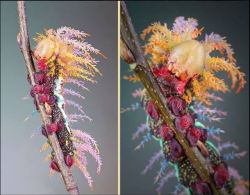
point(24, 44)
point(131, 41)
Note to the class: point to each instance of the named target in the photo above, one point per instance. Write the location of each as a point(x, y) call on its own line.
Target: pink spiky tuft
point(75, 105)
point(73, 93)
point(85, 172)
point(78, 83)
point(85, 143)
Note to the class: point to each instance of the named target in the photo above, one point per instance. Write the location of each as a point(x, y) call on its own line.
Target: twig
point(129, 37)
point(24, 44)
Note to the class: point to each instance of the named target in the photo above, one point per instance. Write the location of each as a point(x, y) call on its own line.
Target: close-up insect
point(64, 57)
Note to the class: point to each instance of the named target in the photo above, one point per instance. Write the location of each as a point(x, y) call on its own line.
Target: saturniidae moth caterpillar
point(64, 59)
point(184, 68)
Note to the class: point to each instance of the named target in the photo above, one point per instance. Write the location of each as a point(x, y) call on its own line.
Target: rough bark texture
point(23, 41)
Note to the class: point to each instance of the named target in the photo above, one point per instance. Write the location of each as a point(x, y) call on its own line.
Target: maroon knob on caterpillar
point(37, 89)
point(54, 166)
point(51, 100)
point(47, 89)
point(68, 160)
point(40, 78)
point(193, 135)
point(152, 110)
point(166, 133)
point(52, 128)
point(42, 65)
point(42, 98)
point(221, 175)
point(201, 188)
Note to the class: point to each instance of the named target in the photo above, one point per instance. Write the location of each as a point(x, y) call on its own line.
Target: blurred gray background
point(230, 19)
point(23, 170)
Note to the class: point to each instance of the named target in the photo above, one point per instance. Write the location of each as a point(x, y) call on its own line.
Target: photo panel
point(184, 97)
point(74, 84)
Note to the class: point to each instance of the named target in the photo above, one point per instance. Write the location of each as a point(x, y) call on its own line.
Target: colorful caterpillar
point(185, 70)
point(63, 57)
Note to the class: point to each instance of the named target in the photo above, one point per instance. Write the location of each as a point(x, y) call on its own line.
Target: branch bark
point(143, 71)
point(24, 44)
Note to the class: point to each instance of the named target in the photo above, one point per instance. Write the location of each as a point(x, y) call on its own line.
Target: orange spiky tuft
point(132, 78)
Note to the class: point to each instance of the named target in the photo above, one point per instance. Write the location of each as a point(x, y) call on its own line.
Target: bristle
point(85, 173)
point(140, 130)
point(73, 93)
point(156, 157)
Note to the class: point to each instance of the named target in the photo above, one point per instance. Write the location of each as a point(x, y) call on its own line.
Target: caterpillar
point(184, 68)
point(63, 59)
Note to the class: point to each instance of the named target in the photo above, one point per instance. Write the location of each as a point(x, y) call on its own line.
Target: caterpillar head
point(187, 58)
point(45, 48)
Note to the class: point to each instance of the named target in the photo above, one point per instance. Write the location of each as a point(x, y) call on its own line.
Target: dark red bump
point(52, 128)
point(42, 98)
point(68, 160)
point(54, 166)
